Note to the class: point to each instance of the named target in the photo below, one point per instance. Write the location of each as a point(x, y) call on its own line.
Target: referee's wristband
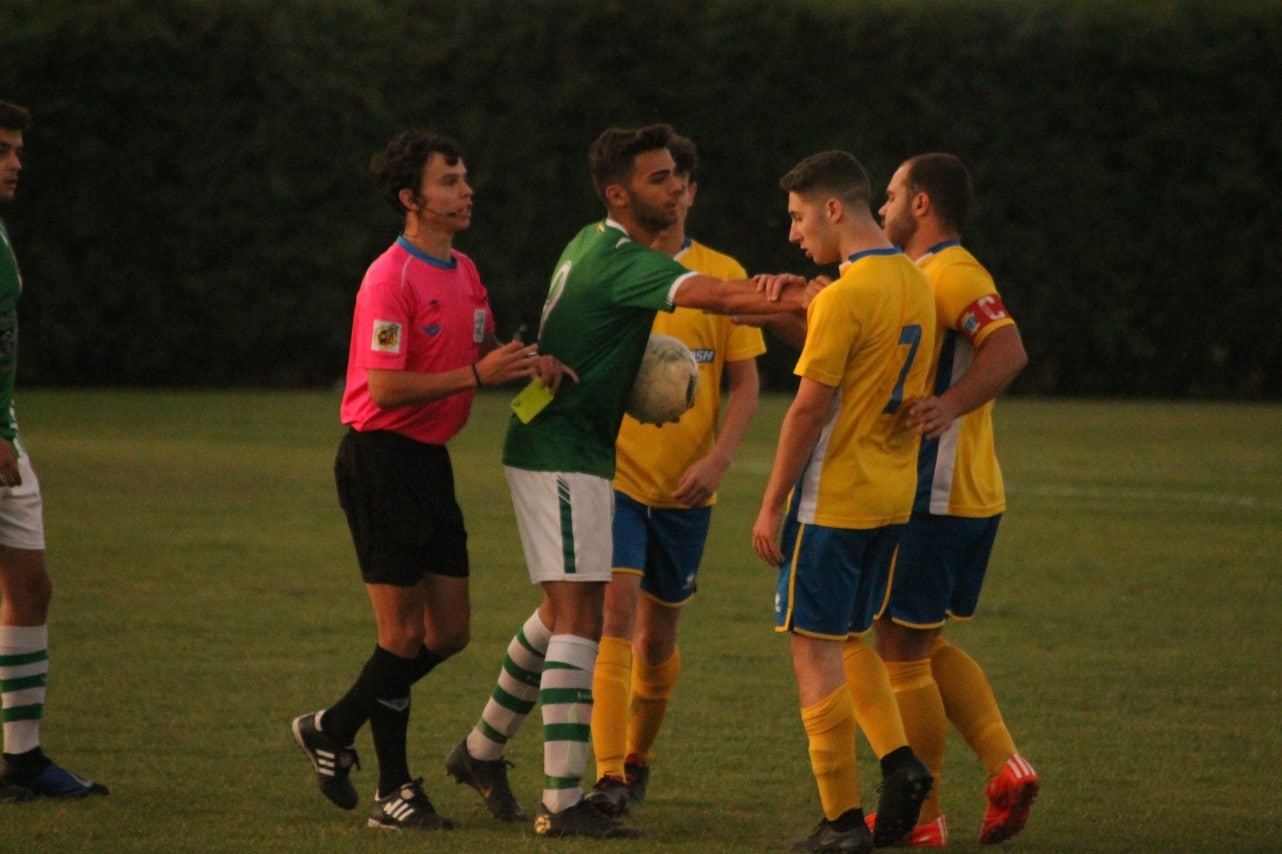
point(477, 375)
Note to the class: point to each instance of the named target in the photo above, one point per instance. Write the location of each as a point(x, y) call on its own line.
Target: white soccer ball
point(666, 383)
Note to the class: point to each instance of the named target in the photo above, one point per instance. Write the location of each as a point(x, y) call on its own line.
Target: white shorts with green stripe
point(22, 510)
point(565, 520)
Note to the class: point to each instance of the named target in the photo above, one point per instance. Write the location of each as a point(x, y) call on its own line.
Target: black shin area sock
point(389, 716)
point(344, 719)
point(425, 662)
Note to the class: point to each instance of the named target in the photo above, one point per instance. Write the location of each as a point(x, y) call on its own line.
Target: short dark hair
point(13, 117)
point(612, 155)
point(836, 173)
point(685, 154)
point(400, 165)
point(943, 177)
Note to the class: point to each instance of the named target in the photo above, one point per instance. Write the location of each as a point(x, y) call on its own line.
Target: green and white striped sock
point(24, 664)
point(515, 693)
point(566, 697)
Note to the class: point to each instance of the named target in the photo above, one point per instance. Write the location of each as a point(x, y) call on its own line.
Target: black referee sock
point(424, 663)
point(342, 720)
point(389, 717)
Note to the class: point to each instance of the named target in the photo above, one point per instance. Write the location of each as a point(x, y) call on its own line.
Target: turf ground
point(206, 594)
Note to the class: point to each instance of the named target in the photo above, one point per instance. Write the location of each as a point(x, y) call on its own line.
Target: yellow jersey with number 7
point(870, 335)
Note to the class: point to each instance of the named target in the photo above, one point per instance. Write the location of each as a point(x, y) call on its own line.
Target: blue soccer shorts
point(663, 545)
point(940, 569)
point(832, 581)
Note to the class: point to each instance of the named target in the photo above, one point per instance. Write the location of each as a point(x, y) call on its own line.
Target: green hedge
point(196, 208)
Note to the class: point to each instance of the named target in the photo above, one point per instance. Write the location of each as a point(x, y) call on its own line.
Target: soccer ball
point(666, 382)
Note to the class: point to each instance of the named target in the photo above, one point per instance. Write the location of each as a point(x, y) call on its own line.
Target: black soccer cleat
point(489, 778)
point(583, 819)
point(408, 808)
point(12, 794)
point(637, 774)
point(20, 781)
point(902, 794)
point(332, 761)
point(826, 837)
point(610, 796)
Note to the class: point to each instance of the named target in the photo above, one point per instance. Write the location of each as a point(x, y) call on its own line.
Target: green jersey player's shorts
point(564, 520)
point(22, 509)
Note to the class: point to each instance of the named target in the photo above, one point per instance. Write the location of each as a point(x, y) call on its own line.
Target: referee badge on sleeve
point(386, 338)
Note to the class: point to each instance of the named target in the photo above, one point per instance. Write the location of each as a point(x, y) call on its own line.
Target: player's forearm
point(741, 408)
point(740, 296)
point(788, 328)
point(394, 389)
point(797, 436)
point(997, 362)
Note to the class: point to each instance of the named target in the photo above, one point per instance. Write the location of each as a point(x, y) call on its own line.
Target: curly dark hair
point(611, 156)
point(400, 165)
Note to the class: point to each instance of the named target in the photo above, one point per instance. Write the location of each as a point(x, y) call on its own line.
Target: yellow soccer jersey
point(650, 460)
point(959, 474)
point(869, 335)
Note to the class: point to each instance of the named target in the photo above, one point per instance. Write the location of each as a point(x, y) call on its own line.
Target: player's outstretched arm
point(741, 296)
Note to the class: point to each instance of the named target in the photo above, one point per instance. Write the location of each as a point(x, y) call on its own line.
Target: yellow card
point(531, 401)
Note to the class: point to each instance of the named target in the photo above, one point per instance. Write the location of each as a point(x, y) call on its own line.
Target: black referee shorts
point(398, 495)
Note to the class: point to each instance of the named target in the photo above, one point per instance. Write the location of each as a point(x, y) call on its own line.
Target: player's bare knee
point(451, 642)
point(27, 592)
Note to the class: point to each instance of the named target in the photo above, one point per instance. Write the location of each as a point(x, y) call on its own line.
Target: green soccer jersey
point(597, 317)
point(10, 287)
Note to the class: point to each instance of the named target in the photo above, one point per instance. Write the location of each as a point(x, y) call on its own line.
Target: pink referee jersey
point(415, 313)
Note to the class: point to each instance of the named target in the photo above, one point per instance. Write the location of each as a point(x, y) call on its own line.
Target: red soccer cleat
point(930, 834)
point(1010, 796)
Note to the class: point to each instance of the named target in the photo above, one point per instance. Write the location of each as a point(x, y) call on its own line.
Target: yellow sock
point(922, 711)
point(610, 685)
point(830, 727)
point(651, 689)
point(970, 704)
point(874, 702)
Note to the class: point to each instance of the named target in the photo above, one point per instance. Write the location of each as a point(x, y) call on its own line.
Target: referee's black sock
point(389, 717)
point(344, 719)
point(424, 663)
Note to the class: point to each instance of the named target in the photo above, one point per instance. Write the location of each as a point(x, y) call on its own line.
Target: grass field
point(206, 594)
